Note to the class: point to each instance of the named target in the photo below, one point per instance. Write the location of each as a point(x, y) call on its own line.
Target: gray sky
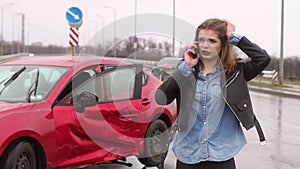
point(259, 20)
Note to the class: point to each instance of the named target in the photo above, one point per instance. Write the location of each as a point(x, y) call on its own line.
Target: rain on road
point(279, 117)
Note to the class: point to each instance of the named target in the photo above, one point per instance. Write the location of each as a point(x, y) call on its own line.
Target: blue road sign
point(74, 15)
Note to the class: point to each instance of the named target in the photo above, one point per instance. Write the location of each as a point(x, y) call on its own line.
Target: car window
point(78, 79)
point(81, 77)
point(53, 75)
point(106, 67)
point(117, 85)
point(89, 86)
point(145, 78)
point(113, 85)
point(33, 83)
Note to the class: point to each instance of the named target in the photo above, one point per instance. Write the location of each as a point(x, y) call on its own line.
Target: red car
point(71, 112)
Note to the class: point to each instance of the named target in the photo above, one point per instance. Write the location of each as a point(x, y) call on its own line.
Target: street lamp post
point(102, 33)
point(114, 28)
point(96, 39)
point(173, 28)
point(12, 37)
point(135, 25)
point(13, 32)
point(23, 33)
point(2, 16)
point(281, 65)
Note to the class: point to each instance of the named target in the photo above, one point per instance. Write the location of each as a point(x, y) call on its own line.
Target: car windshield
point(28, 83)
point(168, 61)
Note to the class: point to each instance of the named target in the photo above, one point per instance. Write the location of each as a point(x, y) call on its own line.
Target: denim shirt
point(214, 132)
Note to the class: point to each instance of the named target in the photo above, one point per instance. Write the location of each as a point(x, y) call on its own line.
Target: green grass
point(294, 82)
point(264, 82)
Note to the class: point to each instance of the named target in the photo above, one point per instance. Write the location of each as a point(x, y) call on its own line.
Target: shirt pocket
point(216, 90)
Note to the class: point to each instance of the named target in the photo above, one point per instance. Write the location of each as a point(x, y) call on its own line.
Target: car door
point(108, 127)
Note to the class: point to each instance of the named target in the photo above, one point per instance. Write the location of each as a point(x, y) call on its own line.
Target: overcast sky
point(259, 20)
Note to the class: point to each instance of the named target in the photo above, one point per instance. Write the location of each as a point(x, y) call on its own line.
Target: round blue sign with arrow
point(74, 15)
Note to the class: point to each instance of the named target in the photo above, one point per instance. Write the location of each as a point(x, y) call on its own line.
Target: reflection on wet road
point(279, 117)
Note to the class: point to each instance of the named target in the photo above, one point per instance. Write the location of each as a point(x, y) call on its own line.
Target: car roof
point(65, 61)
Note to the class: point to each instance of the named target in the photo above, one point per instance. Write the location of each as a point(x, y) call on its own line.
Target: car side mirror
point(84, 99)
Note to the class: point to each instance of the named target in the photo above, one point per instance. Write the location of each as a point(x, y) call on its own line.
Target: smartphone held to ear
point(196, 51)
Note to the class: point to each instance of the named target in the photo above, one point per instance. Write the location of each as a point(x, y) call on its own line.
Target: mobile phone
point(196, 51)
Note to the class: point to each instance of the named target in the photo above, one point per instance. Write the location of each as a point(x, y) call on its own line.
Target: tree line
point(145, 49)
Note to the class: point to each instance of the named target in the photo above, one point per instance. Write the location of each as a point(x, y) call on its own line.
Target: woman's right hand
point(188, 56)
point(229, 28)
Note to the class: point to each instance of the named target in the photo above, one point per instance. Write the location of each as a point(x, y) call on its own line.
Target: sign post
point(74, 17)
point(73, 39)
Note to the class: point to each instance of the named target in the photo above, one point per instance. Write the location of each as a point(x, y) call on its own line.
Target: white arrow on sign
point(74, 15)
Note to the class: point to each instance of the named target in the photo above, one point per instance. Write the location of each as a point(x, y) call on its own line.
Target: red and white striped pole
point(73, 39)
point(74, 17)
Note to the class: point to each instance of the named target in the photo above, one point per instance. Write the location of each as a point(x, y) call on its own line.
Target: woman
point(211, 91)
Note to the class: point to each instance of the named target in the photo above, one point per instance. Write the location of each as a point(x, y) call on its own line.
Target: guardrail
point(149, 62)
point(7, 57)
point(270, 74)
point(146, 63)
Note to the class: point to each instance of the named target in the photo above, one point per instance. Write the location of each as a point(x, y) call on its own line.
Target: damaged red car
point(72, 112)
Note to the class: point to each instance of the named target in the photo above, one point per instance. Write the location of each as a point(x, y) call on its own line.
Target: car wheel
point(156, 144)
point(22, 156)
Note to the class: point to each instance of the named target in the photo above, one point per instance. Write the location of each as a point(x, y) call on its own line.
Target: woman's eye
point(212, 41)
point(202, 40)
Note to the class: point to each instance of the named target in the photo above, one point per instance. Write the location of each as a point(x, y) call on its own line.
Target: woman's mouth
point(205, 53)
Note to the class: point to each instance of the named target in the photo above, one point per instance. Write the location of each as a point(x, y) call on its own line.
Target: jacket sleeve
point(169, 89)
point(259, 58)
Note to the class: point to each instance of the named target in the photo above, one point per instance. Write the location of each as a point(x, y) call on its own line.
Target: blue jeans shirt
point(214, 132)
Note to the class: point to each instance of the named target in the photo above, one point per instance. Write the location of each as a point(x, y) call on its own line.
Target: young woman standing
point(213, 99)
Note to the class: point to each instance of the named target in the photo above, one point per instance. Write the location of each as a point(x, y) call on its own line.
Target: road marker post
point(74, 17)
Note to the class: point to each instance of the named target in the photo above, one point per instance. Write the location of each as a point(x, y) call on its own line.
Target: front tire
point(156, 144)
point(20, 156)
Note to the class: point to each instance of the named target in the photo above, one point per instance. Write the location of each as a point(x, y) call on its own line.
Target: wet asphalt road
point(279, 117)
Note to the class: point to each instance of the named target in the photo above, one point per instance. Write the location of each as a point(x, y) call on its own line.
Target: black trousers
point(229, 164)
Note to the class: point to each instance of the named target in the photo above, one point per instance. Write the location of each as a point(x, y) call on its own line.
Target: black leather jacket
point(237, 94)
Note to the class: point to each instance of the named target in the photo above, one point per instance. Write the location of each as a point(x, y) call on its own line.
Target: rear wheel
point(20, 156)
point(156, 144)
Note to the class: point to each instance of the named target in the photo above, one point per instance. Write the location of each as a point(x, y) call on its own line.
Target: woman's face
point(210, 44)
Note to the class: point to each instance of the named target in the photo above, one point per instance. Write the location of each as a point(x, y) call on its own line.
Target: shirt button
point(204, 107)
point(204, 123)
point(245, 105)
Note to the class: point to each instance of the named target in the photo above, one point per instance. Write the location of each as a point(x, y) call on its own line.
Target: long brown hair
point(226, 54)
